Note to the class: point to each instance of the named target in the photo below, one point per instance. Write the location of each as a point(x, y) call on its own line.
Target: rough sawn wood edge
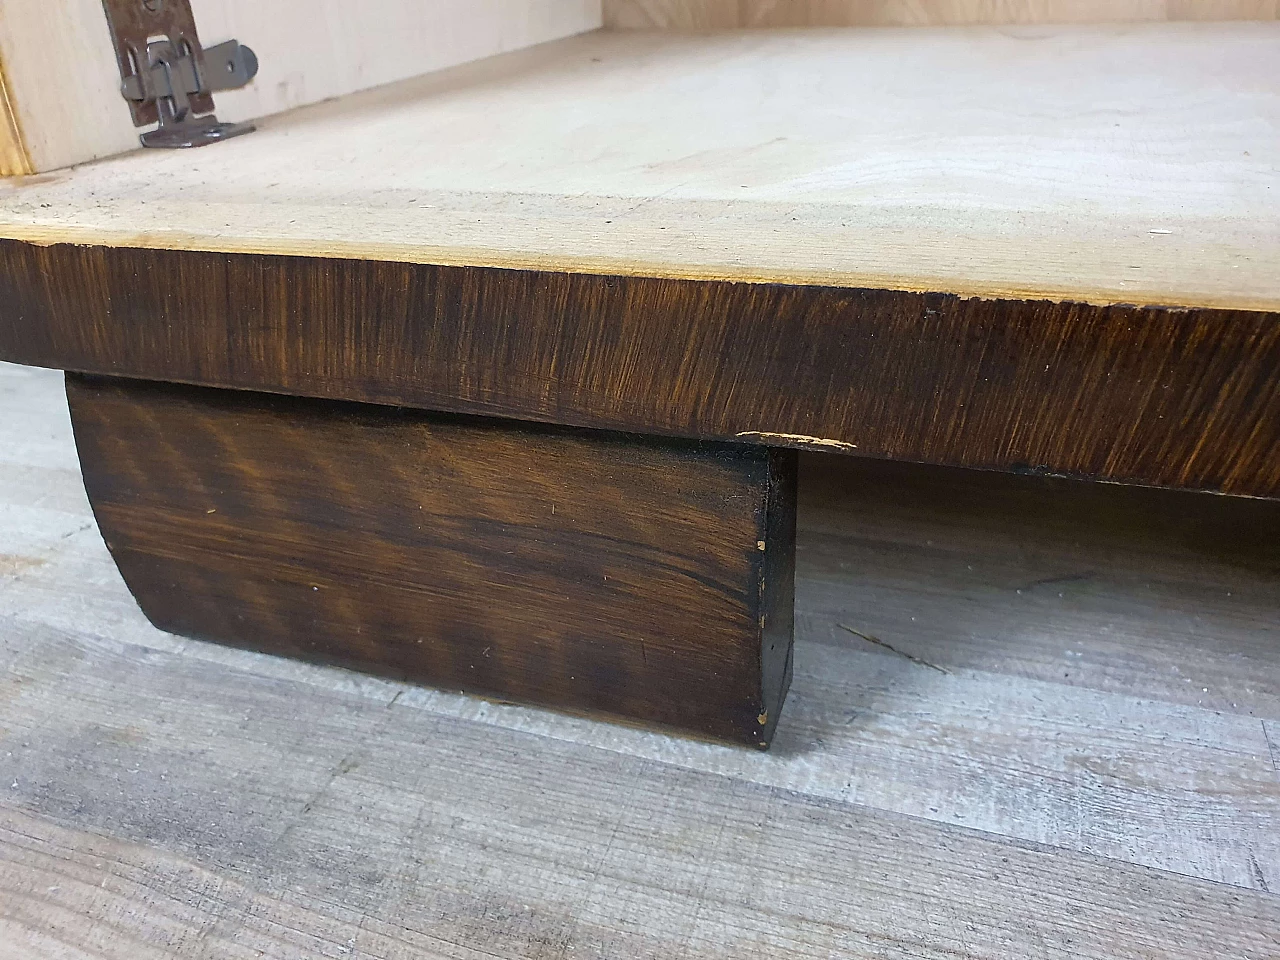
point(1186, 398)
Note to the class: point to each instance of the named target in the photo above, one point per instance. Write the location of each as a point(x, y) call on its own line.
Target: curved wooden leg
point(649, 580)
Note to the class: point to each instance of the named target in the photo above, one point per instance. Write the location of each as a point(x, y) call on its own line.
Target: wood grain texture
point(1107, 165)
point(65, 83)
point(1180, 398)
point(651, 581)
point(733, 14)
point(13, 149)
point(237, 815)
point(1056, 581)
point(170, 798)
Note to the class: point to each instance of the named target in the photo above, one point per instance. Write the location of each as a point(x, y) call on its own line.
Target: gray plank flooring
point(1073, 752)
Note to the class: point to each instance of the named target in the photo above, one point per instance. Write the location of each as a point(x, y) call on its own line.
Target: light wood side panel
point(63, 83)
point(730, 14)
point(313, 50)
point(13, 151)
point(63, 80)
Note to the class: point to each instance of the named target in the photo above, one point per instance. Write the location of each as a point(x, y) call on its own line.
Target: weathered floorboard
point(1117, 589)
point(390, 831)
point(162, 783)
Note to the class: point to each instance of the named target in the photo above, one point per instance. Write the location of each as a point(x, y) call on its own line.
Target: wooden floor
point(1073, 752)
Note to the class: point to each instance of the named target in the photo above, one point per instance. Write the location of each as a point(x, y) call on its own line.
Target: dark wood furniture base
point(1151, 395)
point(649, 580)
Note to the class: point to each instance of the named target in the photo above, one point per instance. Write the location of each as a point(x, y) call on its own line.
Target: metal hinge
point(168, 78)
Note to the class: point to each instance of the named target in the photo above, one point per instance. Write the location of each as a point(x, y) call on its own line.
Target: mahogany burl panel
point(648, 580)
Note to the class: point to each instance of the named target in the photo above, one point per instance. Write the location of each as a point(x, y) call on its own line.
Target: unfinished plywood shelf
point(1127, 164)
point(1048, 249)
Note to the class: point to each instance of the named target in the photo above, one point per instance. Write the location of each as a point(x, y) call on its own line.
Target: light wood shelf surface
point(1131, 164)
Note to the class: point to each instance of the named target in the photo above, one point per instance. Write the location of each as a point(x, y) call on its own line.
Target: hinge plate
point(168, 78)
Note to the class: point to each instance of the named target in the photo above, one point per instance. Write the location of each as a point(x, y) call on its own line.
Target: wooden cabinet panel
point(63, 84)
point(731, 14)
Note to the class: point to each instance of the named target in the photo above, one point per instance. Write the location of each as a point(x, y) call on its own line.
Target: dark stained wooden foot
point(648, 580)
